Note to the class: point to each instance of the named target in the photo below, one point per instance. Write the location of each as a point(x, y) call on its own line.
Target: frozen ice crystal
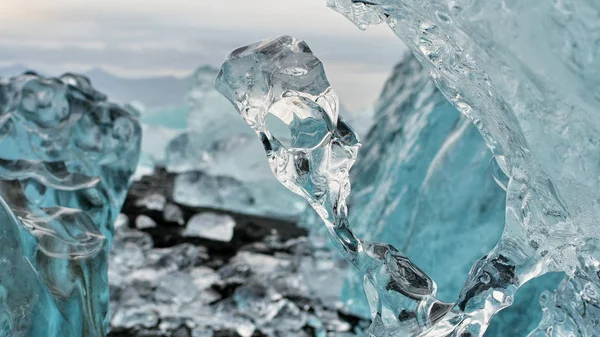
point(544, 142)
point(224, 169)
point(526, 73)
point(66, 159)
point(280, 80)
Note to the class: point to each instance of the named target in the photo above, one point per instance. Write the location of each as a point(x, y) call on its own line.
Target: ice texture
point(66, 159)
point(535, 117)
point(221, 166)
point(155, 142)
point(422, 183)
point(280, 80)
point(410, 187)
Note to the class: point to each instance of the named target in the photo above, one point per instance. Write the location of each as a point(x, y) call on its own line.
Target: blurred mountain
point(152, 92)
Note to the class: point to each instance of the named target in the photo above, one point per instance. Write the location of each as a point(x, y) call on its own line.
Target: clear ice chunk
point(212, 226)
point(264, 289)
point(66, 159)
point(224, 169)
point(550, 162)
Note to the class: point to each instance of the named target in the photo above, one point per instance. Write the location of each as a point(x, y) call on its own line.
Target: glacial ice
point(410, 188)
point(526, 73)
point(535, 115)
point(66, 158)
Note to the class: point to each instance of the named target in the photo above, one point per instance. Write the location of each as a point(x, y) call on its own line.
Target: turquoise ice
point(66, 159)
point(550, 188)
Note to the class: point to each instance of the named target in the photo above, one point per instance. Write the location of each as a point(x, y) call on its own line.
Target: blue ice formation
point(423, 182)
point(66, 159)
point(544, 148)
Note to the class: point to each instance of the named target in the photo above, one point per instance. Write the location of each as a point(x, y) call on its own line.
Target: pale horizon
point(151, 38)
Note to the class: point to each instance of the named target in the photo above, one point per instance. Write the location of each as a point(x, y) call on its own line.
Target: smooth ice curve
point(543, 232)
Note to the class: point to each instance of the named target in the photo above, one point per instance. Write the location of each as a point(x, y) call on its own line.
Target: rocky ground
point(192, 272)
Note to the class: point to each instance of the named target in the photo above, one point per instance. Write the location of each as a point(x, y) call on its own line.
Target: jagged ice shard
point(66, 159)
point(219, 164)
point(550, 205)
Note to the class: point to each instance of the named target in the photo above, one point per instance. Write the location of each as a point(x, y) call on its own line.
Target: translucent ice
point(223, 169)
point(526, 73)
point(489, 72)
point(281, 81)
point(423, 183)
point(411, 188)
point(66, 158)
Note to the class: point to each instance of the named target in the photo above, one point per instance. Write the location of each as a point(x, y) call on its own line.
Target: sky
point(144, 38)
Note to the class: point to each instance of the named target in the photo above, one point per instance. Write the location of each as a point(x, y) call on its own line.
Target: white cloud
point(174, 36)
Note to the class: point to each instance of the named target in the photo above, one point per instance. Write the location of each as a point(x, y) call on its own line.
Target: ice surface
point(281, 78)
point(526, 73)
point(66, 159)
point(542, 141)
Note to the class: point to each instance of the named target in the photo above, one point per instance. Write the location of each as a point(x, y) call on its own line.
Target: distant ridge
point(152, 92)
